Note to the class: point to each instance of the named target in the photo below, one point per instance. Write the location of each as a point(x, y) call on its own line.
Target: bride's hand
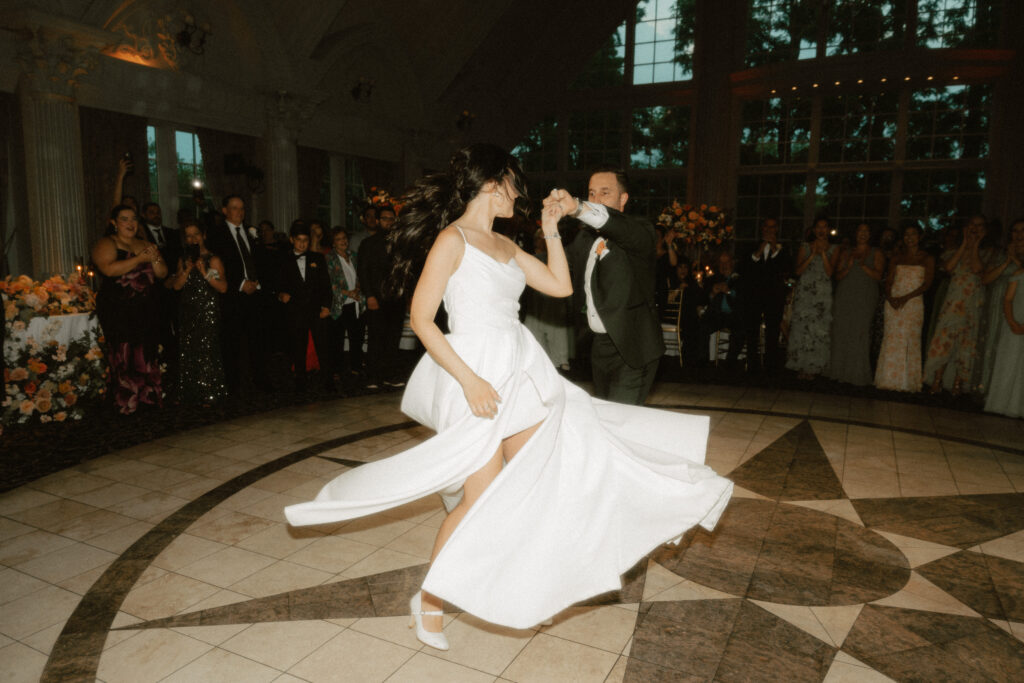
point(550, 216)
point(483, 400)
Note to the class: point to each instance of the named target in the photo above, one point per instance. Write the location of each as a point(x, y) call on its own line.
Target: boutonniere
point(253, 233)
point(313, 264)
point(601, 249)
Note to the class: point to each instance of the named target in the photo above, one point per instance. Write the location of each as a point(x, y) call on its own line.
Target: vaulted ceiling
point(505, 61)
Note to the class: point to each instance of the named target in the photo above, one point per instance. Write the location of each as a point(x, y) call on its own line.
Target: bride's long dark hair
point(436, 200)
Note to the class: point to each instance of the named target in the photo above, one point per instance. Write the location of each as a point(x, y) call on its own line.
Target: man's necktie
point(243, 247)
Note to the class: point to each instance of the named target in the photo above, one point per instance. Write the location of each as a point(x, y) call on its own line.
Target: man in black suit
point(619, 286)
point(244, 304)
point(762, 292)
point(304, 287)
point(385, 317)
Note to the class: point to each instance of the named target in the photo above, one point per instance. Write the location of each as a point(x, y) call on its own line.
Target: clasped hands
point(557, 204)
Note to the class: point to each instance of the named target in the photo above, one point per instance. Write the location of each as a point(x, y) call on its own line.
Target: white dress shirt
point(595, 215)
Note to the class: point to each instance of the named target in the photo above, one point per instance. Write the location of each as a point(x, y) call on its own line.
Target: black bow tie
point(298, 256)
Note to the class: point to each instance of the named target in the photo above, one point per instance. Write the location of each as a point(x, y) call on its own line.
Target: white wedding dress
point(597, 487)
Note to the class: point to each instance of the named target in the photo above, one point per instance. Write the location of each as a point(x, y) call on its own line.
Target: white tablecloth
point(63, 328)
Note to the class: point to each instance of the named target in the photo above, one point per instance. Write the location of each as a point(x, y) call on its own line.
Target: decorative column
point(715, 117)
point(286, 113)
point(52, 63)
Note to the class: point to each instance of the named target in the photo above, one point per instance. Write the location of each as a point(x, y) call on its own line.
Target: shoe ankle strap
point(432, 613)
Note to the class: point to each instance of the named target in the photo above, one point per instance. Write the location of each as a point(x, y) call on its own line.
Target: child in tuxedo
point(304, 287)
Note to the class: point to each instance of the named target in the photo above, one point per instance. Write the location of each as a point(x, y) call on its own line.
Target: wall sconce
point(193, 36)
point(362, 89)
point(465, 120)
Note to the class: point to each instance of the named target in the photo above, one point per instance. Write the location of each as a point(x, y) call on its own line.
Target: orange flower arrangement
point(380, 197)
point(696, 224)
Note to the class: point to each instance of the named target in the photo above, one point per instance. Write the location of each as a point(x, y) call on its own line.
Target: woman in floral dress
point(128, 311)
point(996, 279)
point(953, 345)
point(809, 350)
point(910, 275)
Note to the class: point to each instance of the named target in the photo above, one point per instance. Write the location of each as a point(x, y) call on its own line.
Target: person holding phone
point(199, 279)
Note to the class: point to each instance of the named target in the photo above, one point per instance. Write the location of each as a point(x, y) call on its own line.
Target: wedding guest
point(720, 290)
point(368, 225)
point(691, 299)
point(859, 271)
point(909, 277)
point(346, 306)
point(666, 260)
point(304, 287)
point(809, 341)
point(244, 306)
point(548, 317)
point(954, 342)
point(200, 280)
point(268, 235)
point(385, 317)
point(762, 295)
point(168, 242)
point(1006, 392)
point(127, 308)
point(317, 239)
point(996, 279)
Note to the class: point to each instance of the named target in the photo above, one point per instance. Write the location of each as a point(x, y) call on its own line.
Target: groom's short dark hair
point(620, 176)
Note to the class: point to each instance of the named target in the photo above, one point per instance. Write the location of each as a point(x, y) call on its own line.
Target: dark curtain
point(106, 136)
point(9, 130)
point(313, 169)
point(378, 173)
point(233, 165)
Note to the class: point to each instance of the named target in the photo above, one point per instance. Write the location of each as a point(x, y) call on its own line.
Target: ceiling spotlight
point(931, 78)
point(815, 85)
point(837, 82)
point(884, 79)
point(860, 80)
point(906, 78)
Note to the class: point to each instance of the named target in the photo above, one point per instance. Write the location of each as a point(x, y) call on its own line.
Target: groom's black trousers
point(614, 380)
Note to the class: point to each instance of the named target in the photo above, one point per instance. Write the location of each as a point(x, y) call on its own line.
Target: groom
point(619, 287)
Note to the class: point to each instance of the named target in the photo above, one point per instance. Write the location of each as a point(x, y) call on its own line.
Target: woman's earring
point(496, 193)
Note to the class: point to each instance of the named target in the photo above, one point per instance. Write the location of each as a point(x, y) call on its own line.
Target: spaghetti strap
point(464, 240)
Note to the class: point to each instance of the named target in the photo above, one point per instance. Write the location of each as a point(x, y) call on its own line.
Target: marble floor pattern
point(866, 541)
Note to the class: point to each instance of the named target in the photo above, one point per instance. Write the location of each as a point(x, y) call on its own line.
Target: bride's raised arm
point(551, 278)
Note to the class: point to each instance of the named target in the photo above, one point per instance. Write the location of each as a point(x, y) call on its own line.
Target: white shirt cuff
point(593, 214)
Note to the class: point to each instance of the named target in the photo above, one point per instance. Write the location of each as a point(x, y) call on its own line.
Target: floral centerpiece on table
point(696, 225)
point(48, 381)
point(379, 197)
point(24, 298)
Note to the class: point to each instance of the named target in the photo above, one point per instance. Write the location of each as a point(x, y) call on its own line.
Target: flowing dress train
point(596, 488)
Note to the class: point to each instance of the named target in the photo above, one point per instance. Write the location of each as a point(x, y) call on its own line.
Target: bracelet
point(556, 236)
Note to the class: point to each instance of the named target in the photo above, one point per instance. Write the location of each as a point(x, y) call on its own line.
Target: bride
point(551, 495)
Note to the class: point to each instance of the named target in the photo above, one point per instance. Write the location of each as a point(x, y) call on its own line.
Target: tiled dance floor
point(867, 541)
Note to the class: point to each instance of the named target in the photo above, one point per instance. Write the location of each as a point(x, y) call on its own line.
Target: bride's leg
point(511, 445)
point(475, 485)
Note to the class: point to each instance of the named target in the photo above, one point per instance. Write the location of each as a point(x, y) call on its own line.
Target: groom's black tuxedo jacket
point(623, 284)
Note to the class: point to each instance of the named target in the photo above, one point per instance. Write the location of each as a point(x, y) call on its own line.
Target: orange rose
point(70, 399)
point(36, 366)
point(30, 388)
point(713, 209)
point(64, 387)
point(43, 405)
point(27, 407)
point(679, 211)
point(19, 374)
point(61, 416)
point(693, 215)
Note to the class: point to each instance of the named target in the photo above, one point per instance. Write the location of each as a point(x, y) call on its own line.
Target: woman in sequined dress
point(199, 279)
point(128, 310)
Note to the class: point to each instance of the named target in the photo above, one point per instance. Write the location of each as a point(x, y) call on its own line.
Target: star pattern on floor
point(797, 577)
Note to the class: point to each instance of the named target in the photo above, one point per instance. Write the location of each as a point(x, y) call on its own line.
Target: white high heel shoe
point(438, 641)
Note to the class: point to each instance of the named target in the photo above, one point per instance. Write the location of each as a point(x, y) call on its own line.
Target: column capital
point(55, 53)
point(54, 63)
point(288, 112)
